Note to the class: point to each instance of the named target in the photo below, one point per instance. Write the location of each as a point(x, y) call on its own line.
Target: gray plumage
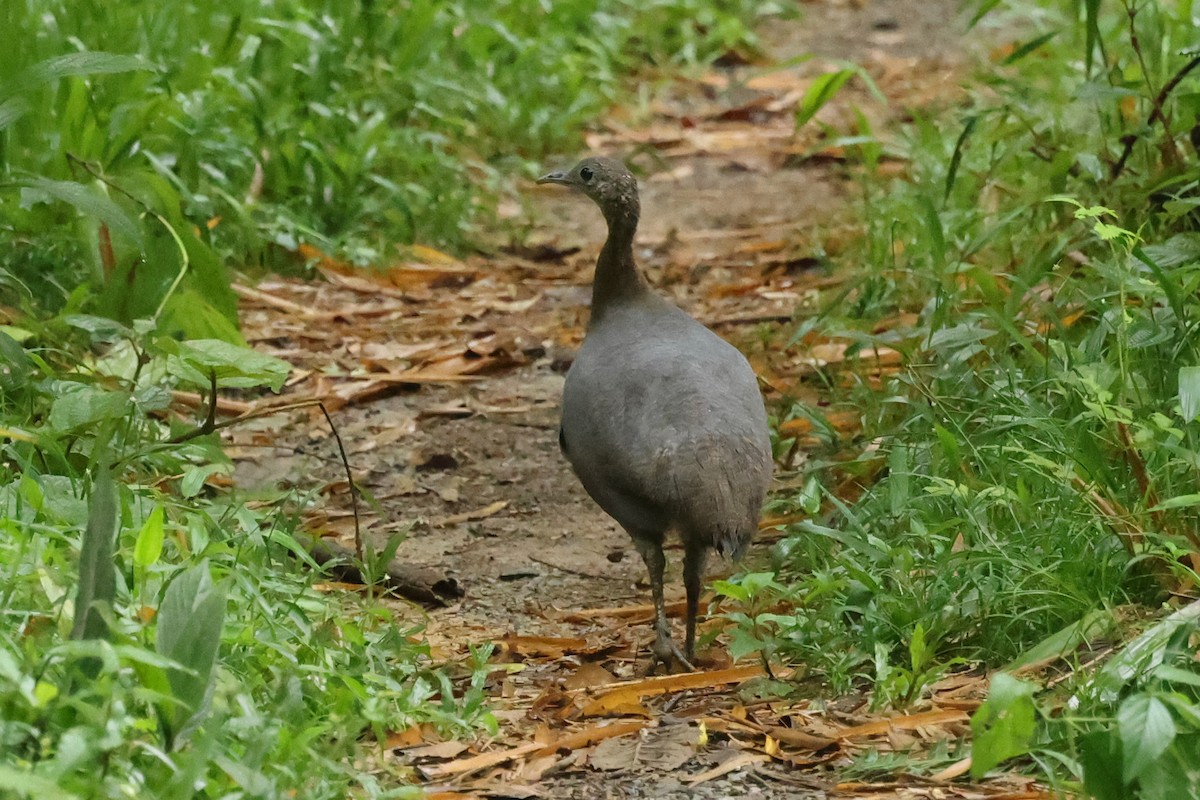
point(662, 420)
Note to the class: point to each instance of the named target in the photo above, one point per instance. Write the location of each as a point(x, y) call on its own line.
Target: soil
point(731, 197)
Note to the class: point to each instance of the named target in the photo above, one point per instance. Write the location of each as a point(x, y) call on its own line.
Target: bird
point(662, 420)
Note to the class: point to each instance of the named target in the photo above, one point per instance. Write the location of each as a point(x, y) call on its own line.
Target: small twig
point(580, 572)
point(1156, 115)
point(358, 542)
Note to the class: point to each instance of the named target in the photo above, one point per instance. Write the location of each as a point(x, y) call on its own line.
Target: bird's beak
point(558, 176)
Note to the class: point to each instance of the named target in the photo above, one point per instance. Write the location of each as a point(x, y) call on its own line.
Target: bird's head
point(605, 180)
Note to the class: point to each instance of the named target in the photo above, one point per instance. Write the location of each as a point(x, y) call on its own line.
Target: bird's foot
point(666, 653)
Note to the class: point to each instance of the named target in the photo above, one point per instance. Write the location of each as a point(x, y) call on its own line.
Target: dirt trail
point(739, 213)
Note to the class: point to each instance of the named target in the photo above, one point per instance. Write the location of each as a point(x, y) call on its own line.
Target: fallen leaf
point(471, 516)
point(631, 693)
point(592, 735)
point(905, 723)
point(549, 646)
point(589, 675)
point(797, 738)
point(663, 749)
point(739, 761)
point(442, 750)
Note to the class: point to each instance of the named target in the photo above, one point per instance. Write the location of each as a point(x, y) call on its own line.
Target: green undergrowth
point(1033, 471)
point(141, 140)
point(165, 638)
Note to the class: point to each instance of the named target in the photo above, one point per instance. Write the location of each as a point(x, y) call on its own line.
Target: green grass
point(1037, 457)
point(253, 126)
point(161, 636)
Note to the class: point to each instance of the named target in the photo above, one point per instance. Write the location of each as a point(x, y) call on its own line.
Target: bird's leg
point(665, 650)
point(693, 574)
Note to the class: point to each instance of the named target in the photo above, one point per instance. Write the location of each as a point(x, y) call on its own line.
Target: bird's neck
point(617, 278)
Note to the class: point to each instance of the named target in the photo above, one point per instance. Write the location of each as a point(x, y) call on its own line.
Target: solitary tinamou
point(662, 420)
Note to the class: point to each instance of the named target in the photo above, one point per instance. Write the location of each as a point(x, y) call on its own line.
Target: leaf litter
point(445, 375)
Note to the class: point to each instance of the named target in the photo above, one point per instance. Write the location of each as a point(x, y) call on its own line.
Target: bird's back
point(665, 426)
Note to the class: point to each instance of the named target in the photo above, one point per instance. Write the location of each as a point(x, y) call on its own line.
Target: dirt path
point(739, 214)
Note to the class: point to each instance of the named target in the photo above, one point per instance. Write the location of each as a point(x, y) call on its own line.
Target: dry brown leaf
point(632, 614)
point(953, 771)
point(440, 750)
point(591, 735)
point(798, 738)
point(840, 421)
point(631, 693)
point(478, 762)
point(535, 768)
point(663, 749)
point(489, 510)
point(416, 376)
point(268, 299)
point(409, 737)
point(739, 761)
point(831, 353)
point(908, 722)
point(589, 675)
point(548, 646)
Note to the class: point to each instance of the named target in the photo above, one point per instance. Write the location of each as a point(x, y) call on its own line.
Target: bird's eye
point(586, 174)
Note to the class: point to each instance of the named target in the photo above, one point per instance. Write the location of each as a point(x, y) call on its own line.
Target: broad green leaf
point(731, 590)
point(190, 313)
point(810, 496)
point(1176, 675)
point(1180, 249)
point(918, 649)
point(97, 571)
point(194, 477)
point(87, 200)
point(101, 329)
point(755, 582)
point(91, 62)
point(1146, 729)
point(1180, 501)
point(189, 632)
point(1065, 641)
point(234, 366)
point(1100, 755)
point(15, 366)
point(1189, 392)
point(31, 785)
point(1004, 725)
point(12, 110)
point(822, 90)
point(87, 405)
point(743, 643)
point(1144, 653)
point(149, 544)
